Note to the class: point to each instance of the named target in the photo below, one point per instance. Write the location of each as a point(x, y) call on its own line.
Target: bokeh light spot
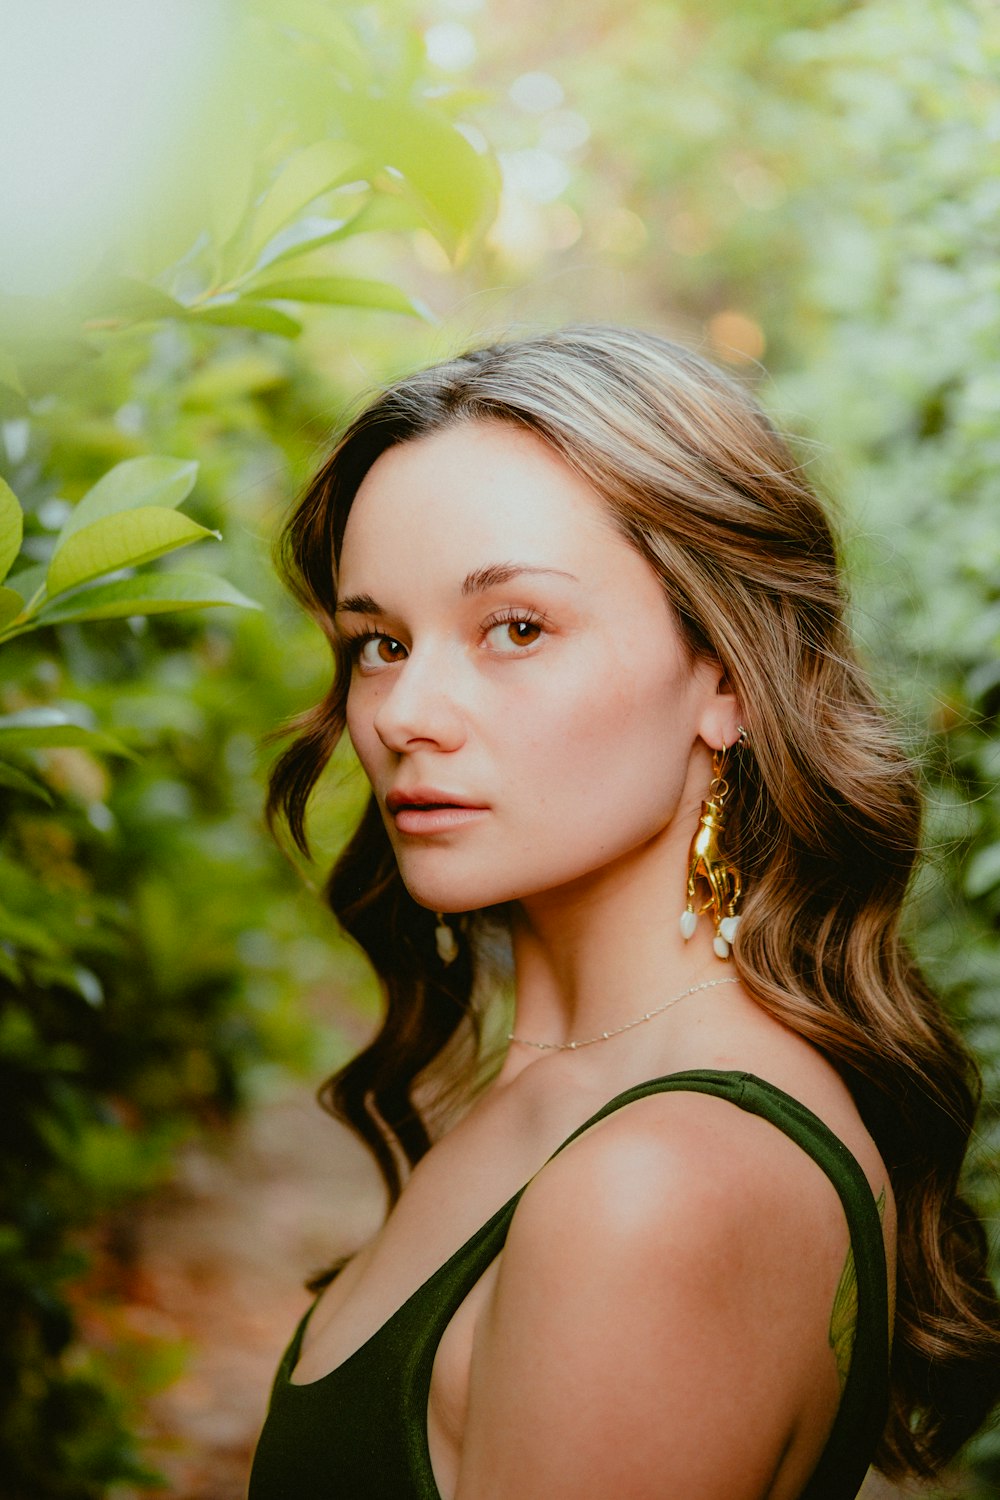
point(537, 92)
point(736, 337)
point(450, 46)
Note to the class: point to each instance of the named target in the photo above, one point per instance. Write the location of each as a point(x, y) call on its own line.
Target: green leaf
point(314, 170)
point(299, 240)
point(245, 313)
point(146, 594)
point(983, 872)
point(26, 933)
point(318, 19)
point(121, 541)
point(10, 375)
point(11, 528)
point(127, 300)
point(234, 378)
point(154, 480)
point(19, 781)
point(11, 605)
point(29, 580)
point(45, 728)
point(230, 202)
point(83, 982)
point(382, 211)
point(457, 189)
point(356, 291)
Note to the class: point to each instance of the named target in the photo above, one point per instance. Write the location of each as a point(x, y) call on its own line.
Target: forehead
point(479, 491)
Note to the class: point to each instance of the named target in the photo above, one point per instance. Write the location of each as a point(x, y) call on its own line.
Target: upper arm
point(655, 1328)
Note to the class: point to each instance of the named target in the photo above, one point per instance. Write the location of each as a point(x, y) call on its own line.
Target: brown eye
point(377, 651)
point(507, 636)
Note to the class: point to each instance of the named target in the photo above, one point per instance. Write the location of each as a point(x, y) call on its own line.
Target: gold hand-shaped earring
point(709, 867)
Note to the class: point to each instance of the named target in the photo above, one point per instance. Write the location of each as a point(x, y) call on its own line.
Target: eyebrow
point(477, 582)
point(497, 573)
point(359, 604)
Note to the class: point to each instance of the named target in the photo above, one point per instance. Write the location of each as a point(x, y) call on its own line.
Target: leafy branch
point(128, 518)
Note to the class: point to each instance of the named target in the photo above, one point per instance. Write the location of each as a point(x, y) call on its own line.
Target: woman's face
point(520, 699)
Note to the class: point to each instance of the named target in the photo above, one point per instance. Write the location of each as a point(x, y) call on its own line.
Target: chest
point(453, 1192)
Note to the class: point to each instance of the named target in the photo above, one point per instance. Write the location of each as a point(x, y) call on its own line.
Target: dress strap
point(379, 1394)
point(864, 1401)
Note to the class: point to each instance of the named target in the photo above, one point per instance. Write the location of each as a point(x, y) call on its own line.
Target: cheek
point(615, 743)
point(360, 729)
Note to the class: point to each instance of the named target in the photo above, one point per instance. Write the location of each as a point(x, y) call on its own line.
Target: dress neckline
point(620, 1100)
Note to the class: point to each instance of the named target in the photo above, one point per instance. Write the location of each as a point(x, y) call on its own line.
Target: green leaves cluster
point(156, 952)
point(320, 140)
point(127, 519)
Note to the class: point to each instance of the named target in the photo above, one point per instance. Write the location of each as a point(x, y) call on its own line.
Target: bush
point(154, 947)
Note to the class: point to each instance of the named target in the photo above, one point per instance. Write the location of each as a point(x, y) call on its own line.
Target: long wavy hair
point(826, 820)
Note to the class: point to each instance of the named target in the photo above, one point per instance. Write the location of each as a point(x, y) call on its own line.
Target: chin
point(439, 895)
point(452, 895)
point(446, 885)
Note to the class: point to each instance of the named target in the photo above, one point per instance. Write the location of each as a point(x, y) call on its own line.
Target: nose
point(420, 705)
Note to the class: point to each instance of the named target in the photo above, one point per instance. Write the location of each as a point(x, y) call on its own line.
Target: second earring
point(445, 940)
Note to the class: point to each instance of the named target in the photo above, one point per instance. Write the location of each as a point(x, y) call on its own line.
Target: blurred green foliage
point(157, 954)
point(817, 186)
point(811, 185)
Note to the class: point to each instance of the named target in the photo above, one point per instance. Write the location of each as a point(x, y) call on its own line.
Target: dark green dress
point(360, 1433)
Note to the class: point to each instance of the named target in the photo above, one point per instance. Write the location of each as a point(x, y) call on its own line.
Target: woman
point(590, 651)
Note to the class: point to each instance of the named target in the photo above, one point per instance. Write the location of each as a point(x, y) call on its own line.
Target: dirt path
point(222, 1258)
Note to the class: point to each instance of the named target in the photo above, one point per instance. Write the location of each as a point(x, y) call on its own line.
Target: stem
point(10, 633)
point(22, 622)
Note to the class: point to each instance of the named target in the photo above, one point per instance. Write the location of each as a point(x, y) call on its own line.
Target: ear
point(721, 716)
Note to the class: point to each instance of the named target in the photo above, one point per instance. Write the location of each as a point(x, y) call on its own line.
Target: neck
point(592, 956)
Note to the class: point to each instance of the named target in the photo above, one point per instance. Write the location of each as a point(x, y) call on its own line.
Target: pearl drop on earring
point(728, 927)
point(445, 940)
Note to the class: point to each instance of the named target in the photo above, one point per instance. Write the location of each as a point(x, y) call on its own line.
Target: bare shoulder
point(667, 1277)
point(685, 1169)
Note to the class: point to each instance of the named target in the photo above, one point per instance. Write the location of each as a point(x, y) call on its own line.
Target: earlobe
point(721, 723)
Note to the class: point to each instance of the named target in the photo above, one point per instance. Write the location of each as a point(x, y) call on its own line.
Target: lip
point(427, 797)
point(430, 810)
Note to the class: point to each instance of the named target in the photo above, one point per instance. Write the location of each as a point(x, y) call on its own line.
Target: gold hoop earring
point(709, 867)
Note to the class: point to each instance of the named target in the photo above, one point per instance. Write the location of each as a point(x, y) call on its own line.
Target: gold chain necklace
point(605, 1036)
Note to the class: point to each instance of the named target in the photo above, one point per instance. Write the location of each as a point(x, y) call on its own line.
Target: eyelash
point(514, 617)
point(355, 643)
